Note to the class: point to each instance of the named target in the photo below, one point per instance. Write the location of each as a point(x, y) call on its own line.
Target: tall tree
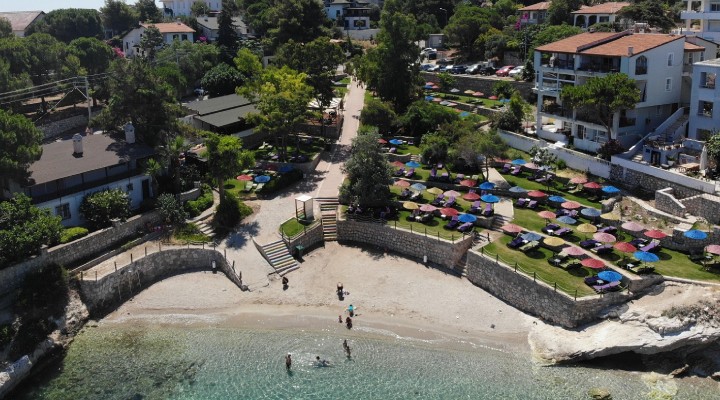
point(226, 157)
point(66, 24)
point(474, 148)
point(560, 11)
point(19, 145)
point(601, 97)
point(652, 12)
point(193, 59)
point(5, 28)
point(199, 8)
point(46, 54)
point(713, 148)
point(118, 16)
point(24, 228)
point(151, 41)
point(368, 173)
point(423, 117)
point(148, 12)
point(14, 64)
point(378, 114)
point(222, 80)
point(227, 36)
point(468, 24)
point(300, 20)
point(95, 55)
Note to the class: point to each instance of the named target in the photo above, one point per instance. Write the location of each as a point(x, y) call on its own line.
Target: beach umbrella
point(573, 251)
point(412, 164)
point(632, 226)
point(438, 100)
point(410, 205)
point(449, 212)
point(567, 220)
point(487, 186)
point(402, 183)
point(554, 241)
point(284, 169)
point(262, 179)
point(429, 86)
point(492, 98)
point(536, 193)
point(427, 208)
point(625, 247)
point(590, 212)
point(546, 214)
point(454, 90)
point(646, 256)
point(478, 94)
point(518, 161)
point(713, 249)
point(396, 142)
point(587, 228)
point(695, 234)
point(469, 91)
point(593, 263)
point(435, 191)
point(604, 237)
point(490, 198)
point(512, 228)
point(571, 205)
point(518, 189)
point(655, 234)
point(578, 180)
point(472, 196)
point(468, 182)
point(467, 218)
point(610, 189)
point(609, 276)
point(398, 164)
point(592, 185)
point(610, 216)
point(429, 83)
point(531, 236)
point(429, 98)
point(556, 199)
point(464, 114)
point(531, 165)
point(244, 178)
point(452, 193)
point(382, 141)
point(418, 186)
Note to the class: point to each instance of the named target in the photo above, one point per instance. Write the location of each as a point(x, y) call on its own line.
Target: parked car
point(474, 69)
point(429, 50)
point(447, 68)
point(200, 91)
point(432, 55)
point(517, 71)
point(426, 67)
point(458, 69)
point(504, 71)
point(445, 61)
point(487, 70)
point(434, 68)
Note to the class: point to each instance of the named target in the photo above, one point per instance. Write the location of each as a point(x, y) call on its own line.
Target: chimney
point(129, 133)
point(77, 144)
point(631, 51)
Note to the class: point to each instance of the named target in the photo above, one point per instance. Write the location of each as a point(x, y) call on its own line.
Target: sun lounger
point(452, 224)
point(639, 242)
point(521, 202)
point(433, 175)
point(466, 227)
point(608, 287)
point(570, 263)
point(543, 179)
point(550, 228)
point(515, 171)
point(558, 259)
point(532, 204)
point(259, 187)
point(438, 200)
point(450, 202)
point(415, 196)
point(577, 189)
point(652, 247)
point(475, 207)
point(517, 242)
point(590, 243)
point(505, 169)
point(593, 281)
point(440, 165)
point(608, 229)
point(604, 249)
point(426, 217)
point(410, 173)
point(445, 177)
point(530, 246)
point(399, 172)
point(488, 210)
point(475, 178)
point(572, 213)
point(393, 150)
point(562, 232)
point(406, 193)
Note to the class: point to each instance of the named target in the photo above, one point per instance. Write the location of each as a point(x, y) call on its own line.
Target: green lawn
point(460, 204)
point(189, 233)
point(536, 262)
point(292, 227)
point(434, 228)
point(532, 185)
point(677, 264)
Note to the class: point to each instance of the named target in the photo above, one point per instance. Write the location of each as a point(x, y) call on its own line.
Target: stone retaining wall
point(117, 287)
point(414, 245)
point(665, 201)
point(64, 255)
point(706, 206)
point(191, 194)
point(537, 298)
point(56, 128)
point(481, 83)
point(634, 179)
point(309, 239)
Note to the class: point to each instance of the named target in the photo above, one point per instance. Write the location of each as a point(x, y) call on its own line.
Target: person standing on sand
point(288, 362)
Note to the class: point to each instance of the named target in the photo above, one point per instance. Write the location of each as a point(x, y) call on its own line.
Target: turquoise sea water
point(140, 362)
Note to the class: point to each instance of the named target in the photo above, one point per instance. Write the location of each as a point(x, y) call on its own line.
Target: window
point(668, 84)
point(63, 210)
point(705, 108)
point(184, 36)
point(690, 58)
point(707, 80)
point(641, 65)
point(715, 7)
point(658, 111)
point(671, 56)
point(702, 56)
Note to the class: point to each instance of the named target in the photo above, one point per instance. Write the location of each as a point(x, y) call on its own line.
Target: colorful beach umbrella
point(244, 178)
point(713, 249)
point(557, 199)
point(578, 180)
point(262, 179)
point(398, 164)
point(573, 251)
point(402, 183)
point(512, 228)
point(449, 212)
point(411, 205)
point(452, 193)
point(428, 98)
point(531, 236)
point(396, 142)
point(531, 165)
point(454, 90)
point(492, 98)
point(695, 234)
point(610, 189)
point(468, 182)
point(553, 241)
point(546, 214)
point(469, 91)
point(435, 191)
point(487, 186)
point(655, 234)
point(591, 212)
point(428, 208)
point(586, 228)
point(536, 193)
point(567, 220)
point(478, 94)
point(593, 263)
point(610, 216)
point(604, 237)
point(609, 276)
point(592, 185)
point(625, 247)
point(472, 196)
point(490, 198)
point(418, 186)
point(646, 256)
point(518, 161)
point(632, 226)
point(467, 218)
point(437, 99)
point(518, 189)
point(571, 205)
point(412, 164)
point(382, 141)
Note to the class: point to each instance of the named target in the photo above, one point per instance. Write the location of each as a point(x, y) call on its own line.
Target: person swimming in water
point(322, 363)
point(288, 361)
point(346, 346)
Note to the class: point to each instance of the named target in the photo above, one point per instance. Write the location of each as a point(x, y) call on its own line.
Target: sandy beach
point(393, 296)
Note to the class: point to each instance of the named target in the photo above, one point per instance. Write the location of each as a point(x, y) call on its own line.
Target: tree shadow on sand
point(241, 235)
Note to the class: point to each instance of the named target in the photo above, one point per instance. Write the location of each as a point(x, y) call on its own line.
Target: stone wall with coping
point(706, 206)
point(438, 251)
point(536, 297)
point(308, 239)
point(56, 128)
point(665, 201)
point(481, 83)
point(66, 254)
point(117, 287)
point(634, 179)
point(191, 194)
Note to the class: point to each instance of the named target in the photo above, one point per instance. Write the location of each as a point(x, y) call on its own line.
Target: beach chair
point(577, 189)
point(475, 207)
point(530, 246)
point(607, 287)
point(561, 212)
point(550, 228)
point(466, 227)
point(515, 171)
point(604, 249)
point(639, 242)
point(433, 175)
point(438, 200)
point(415, 196)
point(488, 211)
point(505, 169)
point(440, 165)
point(654, 246)
point(399, 172)
point(444, 177)
point(592, 281)
point(415, 213)
point(589, 244)
point(557, 259)
point(532, 204)
point(562, 232)
point(410, 173)
point(572, 213)
point(608, 229)
point(450, 202)
point(475, 178)
point(259, 187)
point(405, 193)
point(393, 150)
point(452, 224)
point(426, 217)
point(570, 263)
point(521, 202)
point(248, 187)
point(517, 242)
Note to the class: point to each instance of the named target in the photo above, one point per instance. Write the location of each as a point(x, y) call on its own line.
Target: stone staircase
point(461, 266)
point(498, 222)
point(669, 134)
point(206, 229)
point(328, 217)
point(279, 257)
point(416, 158)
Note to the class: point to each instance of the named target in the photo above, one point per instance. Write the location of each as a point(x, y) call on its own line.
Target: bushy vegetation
point(24, 228)
point(71, 234)
point(171, 211)
point(230, 212)
point(283, 181)
point(190, 233)
point(100, 208)
point(202, 203)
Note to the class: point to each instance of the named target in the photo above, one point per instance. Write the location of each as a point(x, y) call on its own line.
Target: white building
point(586, 17)
point(21, 20)
point(183, 7)
point(704, 100)
point(350, 15)
point(170, 31)
point(654, 61)
point(703, 21)
point(534, 14)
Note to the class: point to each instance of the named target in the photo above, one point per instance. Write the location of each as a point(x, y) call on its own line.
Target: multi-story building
point(586, 17)
point(209, 27)
point(170, 31)
point(704, 100)
point(183, 7)
point(703, 21)
point(350, 15)
point(654, 61)
point(534, 14)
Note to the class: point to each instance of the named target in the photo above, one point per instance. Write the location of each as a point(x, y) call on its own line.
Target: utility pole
point(87, 97)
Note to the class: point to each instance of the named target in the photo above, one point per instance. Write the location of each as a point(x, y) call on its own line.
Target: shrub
point(6, 334)
point(24, 228)
point(71, 234)
point(283, 181)
point(561, 164)
point(171, 211)
point(202, 203)
point(230, 211)
point(100, 208)
point(190, 232)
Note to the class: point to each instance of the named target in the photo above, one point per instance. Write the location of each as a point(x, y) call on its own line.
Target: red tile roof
point(542, 6)
point(639, 42)
point(171, 27)
point(575, 44)
point(693, 47)
point(605, 8)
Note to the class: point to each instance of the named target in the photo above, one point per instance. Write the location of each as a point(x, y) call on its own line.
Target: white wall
point(658, 71)
point(182, 7)
point(698, 94)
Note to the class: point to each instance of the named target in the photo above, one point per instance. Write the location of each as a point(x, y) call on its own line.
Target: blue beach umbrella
point(487, 186)
point(504, 100)
point(428, 98)
point(262, 179)
point(591, 212)
point(411, 164)
point(396, 142)
point(566, 220)
point(695, 234)
point(467, 218)
point(556, 199)
point(464, 114)
point(285, 169)
point(418, 186)
point(518, 161)
point(428, 86)
point(490, 198)
point(531, 236)
point(518, 189)
point(646, 256)
point(609, 276)
point(610, 189)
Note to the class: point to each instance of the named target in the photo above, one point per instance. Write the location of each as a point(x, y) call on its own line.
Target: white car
point(516, 72)
point(429, 50)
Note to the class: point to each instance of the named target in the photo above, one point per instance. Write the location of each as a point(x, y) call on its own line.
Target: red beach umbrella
point(452, 193)
point(472, 196)
point(449, 212)
point(512, 228)
point(713, 249)
point(571, 205)
point(478, 94)
point(578, 180)
point(492, 98)
point(625, 247)
point(593, 263)
point(427, 208)
point(244, 178)
point(546, 214)
point(397, 164)
point(592, 185)
point(536, 193)
point(604, 237)
point(402, 183)
point(468, 182)
point(428, 83)
point(382, 141)
point(437, 100)
point(655, 234)
point(573, 251)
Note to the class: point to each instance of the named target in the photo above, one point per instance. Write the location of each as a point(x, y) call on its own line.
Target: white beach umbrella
point(703, 158)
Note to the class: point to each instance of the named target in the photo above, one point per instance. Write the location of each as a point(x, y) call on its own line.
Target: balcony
point(704, 15)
